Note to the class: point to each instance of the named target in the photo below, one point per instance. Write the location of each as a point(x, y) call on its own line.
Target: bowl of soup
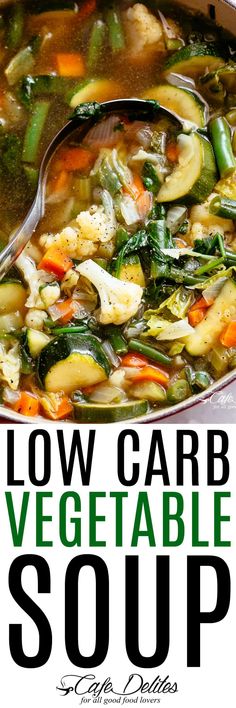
point(123, 304)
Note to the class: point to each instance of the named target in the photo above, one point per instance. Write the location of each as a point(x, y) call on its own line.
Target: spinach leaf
point(87, 110)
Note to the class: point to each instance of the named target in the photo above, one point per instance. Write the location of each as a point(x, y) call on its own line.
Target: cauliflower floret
point(50, 294)
point(94, 225)
point(200, 213)
point(34, 279)
point(66, 239)
point(143, 29)
point(10, 363)
point(35, 319)
point(81, 240)
point(69, 282)
point(119, 300)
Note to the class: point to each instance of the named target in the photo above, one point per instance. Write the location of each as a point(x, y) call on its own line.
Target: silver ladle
point(128, 106)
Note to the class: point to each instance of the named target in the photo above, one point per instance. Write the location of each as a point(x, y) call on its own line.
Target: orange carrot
point(228, 337)
point(59, 182)
point(144, 204)
point(70, 64)
point(134, 360)
point(76, 158)
point(56, 261)
point(88, 7)
point(66, 309)
point(152, 373)
point(27, 404)
point(172, 152)
point(60, 409)
point(196, 316)
point(200, 304)
point(197, 311)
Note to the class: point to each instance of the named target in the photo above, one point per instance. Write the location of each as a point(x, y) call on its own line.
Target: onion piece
point(176, 215)
point(210, 293)
point(103, 134)
point(105, 393)
point(10, 396)
point(111, 355)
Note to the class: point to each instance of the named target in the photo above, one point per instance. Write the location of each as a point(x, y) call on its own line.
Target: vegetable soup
point(125, 298)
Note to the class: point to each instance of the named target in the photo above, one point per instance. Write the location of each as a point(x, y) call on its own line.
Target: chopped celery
point(22, 63)
point(83, 188)
point(148, 390)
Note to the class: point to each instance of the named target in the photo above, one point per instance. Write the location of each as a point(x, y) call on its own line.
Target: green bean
point(115, 29)
point(96, 43)
point(178, 391)
point(221, 140)
point(32, 175)
point(34, 130)
point(70, 330)
point(207, 267)
point(150, 352)
point(15, 26)
point(116, 339)
point(226, 208)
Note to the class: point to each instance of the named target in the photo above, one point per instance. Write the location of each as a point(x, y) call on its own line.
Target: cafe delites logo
point(88, 517)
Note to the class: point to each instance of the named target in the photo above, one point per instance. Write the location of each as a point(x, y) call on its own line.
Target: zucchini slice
point(194, 59)
point(207, 332)
point(112, 413)
point(131, 271)
point(12, 296)
point(94, 90)
point(196, 177)
point(72, 361)
point(36, 341)
point(183, 102)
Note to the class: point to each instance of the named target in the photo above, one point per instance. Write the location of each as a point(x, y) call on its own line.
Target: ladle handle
point(22, 236)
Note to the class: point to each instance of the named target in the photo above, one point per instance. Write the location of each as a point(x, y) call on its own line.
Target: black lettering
point(31, 609)
point(194, 615)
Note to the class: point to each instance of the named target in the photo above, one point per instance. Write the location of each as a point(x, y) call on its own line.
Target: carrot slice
point(76, 158)
point(172, 152)
point(56, 261)
point(66, 309)
point(27, 404)
point(228, 337)
point(60, 182)
point(200, 304)
point(133, 360)
point(58, 411)
point(152, 373)
point(196, 316)
point(70, 64)
point(88, 7)
point(144, 204)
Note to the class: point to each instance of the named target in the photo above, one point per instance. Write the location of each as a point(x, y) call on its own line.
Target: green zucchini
point(196, 178)
point(36, 341)
point(183, 102)
point(112, 413)
point(194, 59)
point(131, 271)
point(12, 296)
point(93, 90)
point(72, 361)
point(208, 331)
